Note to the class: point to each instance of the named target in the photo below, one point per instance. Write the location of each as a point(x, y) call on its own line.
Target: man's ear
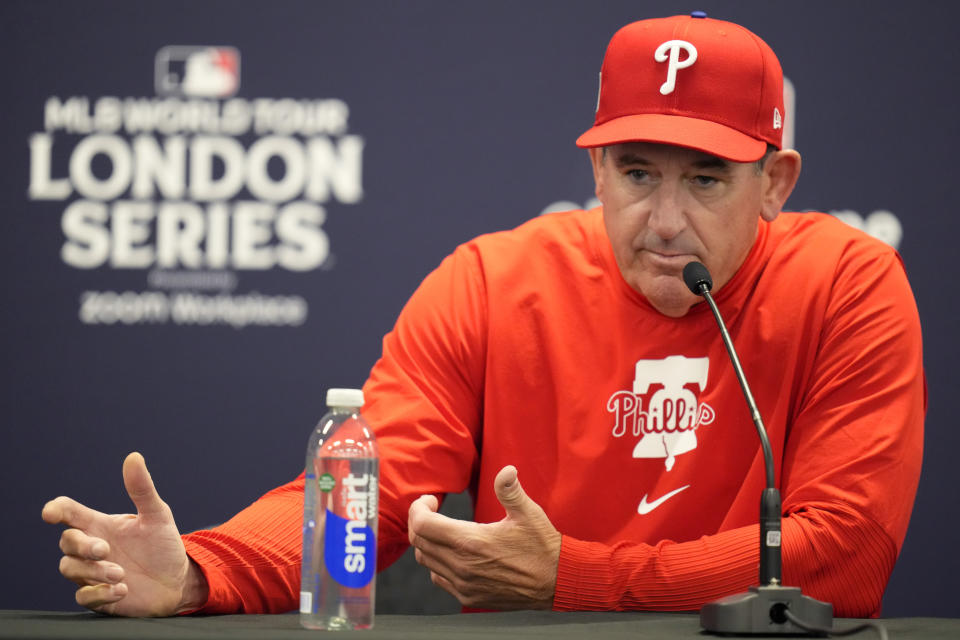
point(780, 174)
point(596, 160)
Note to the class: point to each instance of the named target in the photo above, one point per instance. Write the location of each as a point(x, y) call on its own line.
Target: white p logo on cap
point(674, 47)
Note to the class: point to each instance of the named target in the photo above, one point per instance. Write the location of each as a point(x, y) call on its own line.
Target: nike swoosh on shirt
point(646, 507)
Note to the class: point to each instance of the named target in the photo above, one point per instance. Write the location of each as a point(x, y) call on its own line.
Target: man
point(570, 349)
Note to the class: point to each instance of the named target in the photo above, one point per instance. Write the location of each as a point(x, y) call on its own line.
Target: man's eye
point(638, 175)
point(704, 181)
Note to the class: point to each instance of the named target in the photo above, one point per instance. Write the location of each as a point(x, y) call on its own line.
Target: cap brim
point(693, 133)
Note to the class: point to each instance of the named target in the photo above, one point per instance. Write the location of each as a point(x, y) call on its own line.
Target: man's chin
point(669, 295)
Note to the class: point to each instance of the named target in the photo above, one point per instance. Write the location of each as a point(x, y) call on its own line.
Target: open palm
point(125, 564)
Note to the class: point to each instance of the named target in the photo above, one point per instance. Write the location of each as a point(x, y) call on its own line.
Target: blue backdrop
point(214, 211)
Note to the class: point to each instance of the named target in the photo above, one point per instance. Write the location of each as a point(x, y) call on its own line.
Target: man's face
point(665, 206)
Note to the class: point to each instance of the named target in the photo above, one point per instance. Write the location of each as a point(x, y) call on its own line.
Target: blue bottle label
point(350, 546)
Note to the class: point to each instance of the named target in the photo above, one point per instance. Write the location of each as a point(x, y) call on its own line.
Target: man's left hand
point(510, 564)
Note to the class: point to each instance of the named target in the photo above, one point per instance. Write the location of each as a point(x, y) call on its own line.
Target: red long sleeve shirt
point(528, 348)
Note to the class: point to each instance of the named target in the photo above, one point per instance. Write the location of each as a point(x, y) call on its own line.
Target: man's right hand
point(126, 564)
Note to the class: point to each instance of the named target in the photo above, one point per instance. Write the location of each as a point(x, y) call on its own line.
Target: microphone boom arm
point(751, 404)
point(771, 562)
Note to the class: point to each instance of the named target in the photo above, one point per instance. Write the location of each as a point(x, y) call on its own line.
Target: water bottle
point(340, 518)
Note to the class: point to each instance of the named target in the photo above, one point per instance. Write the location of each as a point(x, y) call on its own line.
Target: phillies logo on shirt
point(663, 409)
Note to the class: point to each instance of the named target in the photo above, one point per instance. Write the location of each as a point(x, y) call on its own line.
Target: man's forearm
point(833, 555)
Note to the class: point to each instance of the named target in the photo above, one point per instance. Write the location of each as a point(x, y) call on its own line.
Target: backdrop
point(213, 211)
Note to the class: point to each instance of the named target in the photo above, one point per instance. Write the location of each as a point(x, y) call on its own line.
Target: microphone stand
point(763, 608)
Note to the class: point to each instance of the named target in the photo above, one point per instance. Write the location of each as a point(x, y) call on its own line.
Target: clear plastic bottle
point(338, 574)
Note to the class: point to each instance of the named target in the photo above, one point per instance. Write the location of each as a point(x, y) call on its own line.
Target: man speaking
point(569, 354)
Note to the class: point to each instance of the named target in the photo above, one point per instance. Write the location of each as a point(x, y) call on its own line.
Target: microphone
point(764, 608)
point(697, 278)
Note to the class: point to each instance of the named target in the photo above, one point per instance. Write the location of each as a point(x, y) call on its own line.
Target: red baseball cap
point(690, 81)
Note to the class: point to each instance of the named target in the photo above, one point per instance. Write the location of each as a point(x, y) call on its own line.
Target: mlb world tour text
point(168, 183)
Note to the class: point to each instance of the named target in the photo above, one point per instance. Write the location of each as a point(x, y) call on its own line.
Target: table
point(502, 626)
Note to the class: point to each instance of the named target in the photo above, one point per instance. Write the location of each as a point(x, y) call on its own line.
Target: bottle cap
point(345, 398)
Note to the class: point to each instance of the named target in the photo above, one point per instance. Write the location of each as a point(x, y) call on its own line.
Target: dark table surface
point(527, 624)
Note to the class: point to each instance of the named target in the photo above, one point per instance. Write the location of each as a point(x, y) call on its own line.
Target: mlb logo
point(197, 71)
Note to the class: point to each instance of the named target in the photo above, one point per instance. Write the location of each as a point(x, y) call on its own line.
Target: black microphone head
point(696, 276)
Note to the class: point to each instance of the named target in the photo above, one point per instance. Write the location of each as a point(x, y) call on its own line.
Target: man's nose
point(667, 217)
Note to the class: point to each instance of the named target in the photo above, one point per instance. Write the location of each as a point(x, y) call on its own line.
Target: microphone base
point(759, 611)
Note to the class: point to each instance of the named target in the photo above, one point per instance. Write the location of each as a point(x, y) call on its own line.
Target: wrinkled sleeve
point(848, 476)
point(252, 561)
point(423, 399)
